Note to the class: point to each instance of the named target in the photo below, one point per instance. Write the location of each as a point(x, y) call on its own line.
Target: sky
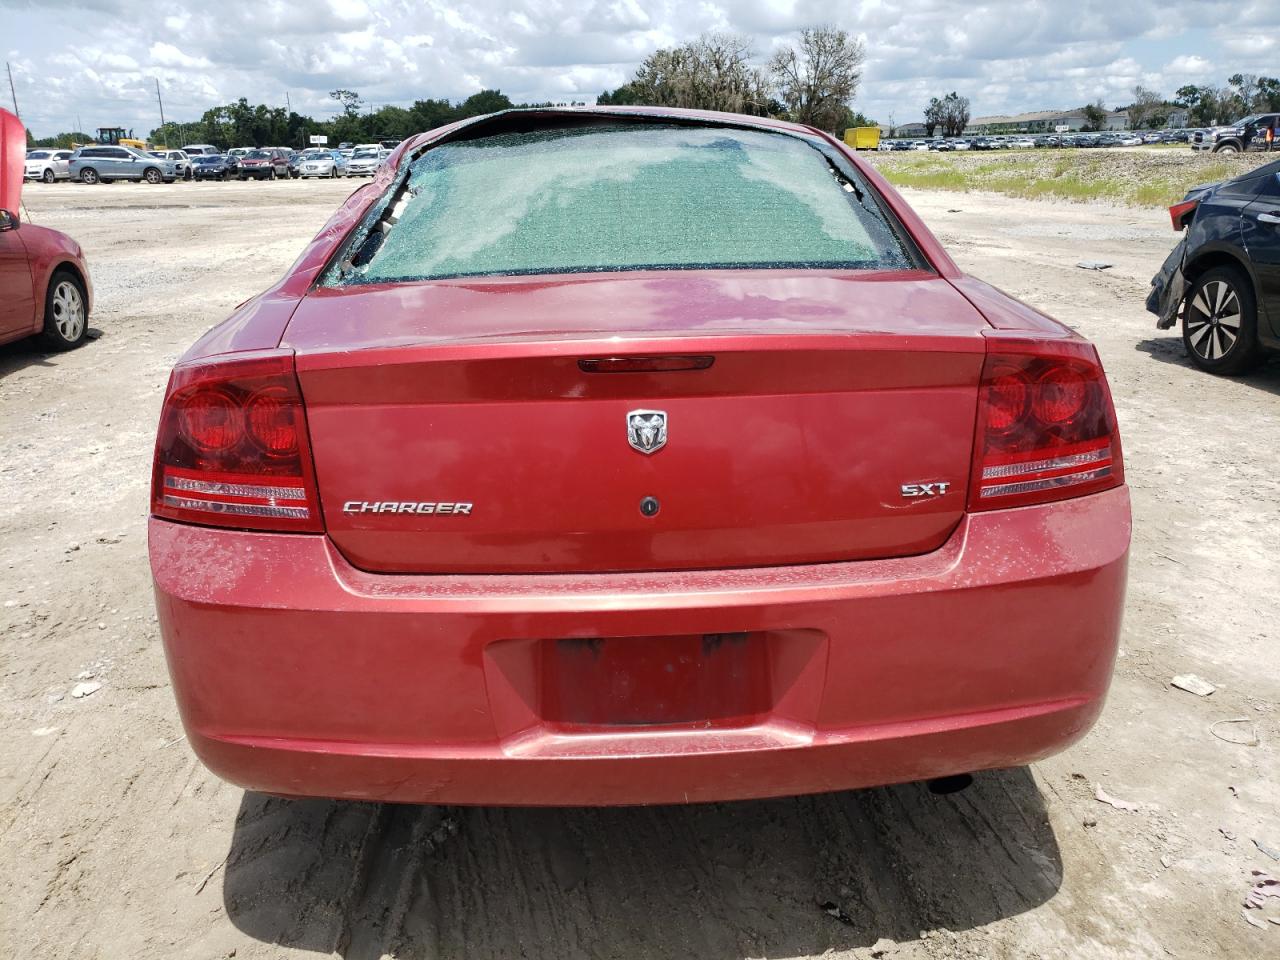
point(99, 60)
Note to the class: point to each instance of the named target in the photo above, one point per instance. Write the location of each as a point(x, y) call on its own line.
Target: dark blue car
point(213, 167)
point(1223, 278)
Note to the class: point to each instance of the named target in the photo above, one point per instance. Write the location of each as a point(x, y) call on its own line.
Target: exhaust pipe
point(941, 786)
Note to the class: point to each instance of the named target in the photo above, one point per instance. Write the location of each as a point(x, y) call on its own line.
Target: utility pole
point(288, 104)
point(161, 102)
point(12, 92)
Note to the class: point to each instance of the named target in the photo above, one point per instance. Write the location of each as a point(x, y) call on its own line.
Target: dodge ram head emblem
point(647, 430)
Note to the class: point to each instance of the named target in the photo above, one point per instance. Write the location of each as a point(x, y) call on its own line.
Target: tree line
point(243, 124)
point(812, 82)
point(1244, 93)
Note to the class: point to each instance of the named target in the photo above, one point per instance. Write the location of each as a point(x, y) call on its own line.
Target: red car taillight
point(1180, 214)
point(1046, 425)
point(232, 449)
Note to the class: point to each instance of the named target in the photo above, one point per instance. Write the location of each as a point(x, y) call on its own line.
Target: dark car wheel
point(271, 174)
point(1219, 324)
point(1229, 147)
point(89, 175)
point(48, 176)
point(65, 316)
point(152, 175)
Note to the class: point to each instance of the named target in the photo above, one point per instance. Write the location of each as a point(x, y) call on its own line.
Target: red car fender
point(13, 150)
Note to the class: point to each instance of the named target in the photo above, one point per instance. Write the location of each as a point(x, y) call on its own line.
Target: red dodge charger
point(612, 456)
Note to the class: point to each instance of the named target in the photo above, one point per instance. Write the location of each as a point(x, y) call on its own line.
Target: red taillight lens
point(232, 449)
point(210, 421)
point(1007, 397)
point(1180, 213)
point(1046, 426)
point(270, 422)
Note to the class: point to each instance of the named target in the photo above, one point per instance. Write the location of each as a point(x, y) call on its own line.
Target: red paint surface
point(828, 391)
point(13, 150)
point(296, 673)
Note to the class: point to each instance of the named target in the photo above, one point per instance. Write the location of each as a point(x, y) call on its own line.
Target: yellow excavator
point(119, 137)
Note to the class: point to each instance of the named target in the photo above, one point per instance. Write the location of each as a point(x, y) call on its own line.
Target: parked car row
point(105, 164)
point(1031, 141)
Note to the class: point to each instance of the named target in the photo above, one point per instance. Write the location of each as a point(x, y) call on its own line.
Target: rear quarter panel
point(259, 323)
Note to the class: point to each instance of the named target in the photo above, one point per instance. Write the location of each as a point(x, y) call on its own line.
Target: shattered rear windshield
point(621, 197)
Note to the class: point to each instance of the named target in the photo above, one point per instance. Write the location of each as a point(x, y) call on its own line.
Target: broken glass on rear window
point(622, 197)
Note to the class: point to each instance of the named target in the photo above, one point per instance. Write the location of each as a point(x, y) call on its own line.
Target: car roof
point(711, 117)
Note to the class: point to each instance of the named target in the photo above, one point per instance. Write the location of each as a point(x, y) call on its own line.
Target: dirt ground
point(114, 841)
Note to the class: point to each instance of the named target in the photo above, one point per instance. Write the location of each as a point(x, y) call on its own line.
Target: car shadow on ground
point(30, 352)
point(775, 878)
point(1170, 349)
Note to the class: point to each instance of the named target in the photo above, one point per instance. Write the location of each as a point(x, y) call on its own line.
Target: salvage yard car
point(616, 456)
point(322, 163)
point(47, 165)
point(181, 162)
point(212, 167)
point(44, 281)
point(1223, 277)
point(264, 165)
point(106, 164)
point(44, 284)
point(365, 160)
point(1258, 132)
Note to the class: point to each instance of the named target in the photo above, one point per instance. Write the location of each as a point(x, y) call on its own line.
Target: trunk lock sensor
point(649, 506)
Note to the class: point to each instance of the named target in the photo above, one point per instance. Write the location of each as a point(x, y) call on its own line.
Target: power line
point(13, 93)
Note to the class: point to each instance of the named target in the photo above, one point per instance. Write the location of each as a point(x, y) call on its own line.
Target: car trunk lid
point(488, 426)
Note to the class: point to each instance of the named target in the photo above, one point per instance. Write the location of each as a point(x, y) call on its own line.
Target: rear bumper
point(297, 674)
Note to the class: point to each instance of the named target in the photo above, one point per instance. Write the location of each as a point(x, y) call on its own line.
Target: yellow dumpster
point(862, 138)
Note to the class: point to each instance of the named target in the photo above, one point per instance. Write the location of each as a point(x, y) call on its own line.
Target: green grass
point(1134, 178)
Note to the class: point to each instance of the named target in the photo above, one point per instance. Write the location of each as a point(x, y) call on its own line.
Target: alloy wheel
point(68, 311)
point(1213, 320)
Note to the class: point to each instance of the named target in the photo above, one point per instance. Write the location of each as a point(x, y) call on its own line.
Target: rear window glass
point(624, 197)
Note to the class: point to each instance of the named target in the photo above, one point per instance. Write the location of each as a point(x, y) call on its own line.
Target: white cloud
point(167, 55)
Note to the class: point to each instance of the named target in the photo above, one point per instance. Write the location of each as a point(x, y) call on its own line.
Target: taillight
point(1046, 426)
point(232, 449)
point(1180, 213)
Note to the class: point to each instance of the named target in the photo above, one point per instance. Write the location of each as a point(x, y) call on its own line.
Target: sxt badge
point(926, 489)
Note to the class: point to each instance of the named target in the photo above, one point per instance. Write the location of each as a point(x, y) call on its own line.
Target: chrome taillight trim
point(237, 509)
point(220, 488)
point(1053, 463)
point(1048, 483)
